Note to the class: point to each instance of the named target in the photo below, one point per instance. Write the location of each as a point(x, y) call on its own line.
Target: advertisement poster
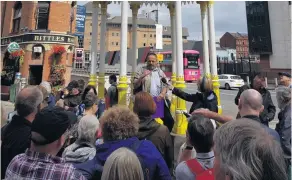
point(80, 21)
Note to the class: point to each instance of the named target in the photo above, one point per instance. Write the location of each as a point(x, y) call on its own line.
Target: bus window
point(192, 61)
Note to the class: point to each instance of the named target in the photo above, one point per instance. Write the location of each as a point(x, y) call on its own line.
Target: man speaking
point(148, 79)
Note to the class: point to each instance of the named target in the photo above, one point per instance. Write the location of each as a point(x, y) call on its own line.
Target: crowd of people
point(72, 134)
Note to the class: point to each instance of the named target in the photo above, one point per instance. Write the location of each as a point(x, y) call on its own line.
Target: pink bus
point(191, 61)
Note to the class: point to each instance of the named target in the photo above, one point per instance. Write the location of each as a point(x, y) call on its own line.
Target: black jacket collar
point(252, 117)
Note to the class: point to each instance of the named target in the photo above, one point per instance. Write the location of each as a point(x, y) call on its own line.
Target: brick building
point(238, 41)
point(37, 26)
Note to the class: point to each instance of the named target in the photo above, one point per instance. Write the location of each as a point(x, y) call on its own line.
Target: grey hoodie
point(79, 152)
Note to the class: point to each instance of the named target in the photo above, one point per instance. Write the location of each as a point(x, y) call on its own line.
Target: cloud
point(228, 17)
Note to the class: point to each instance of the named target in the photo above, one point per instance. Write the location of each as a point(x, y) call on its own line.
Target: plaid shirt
point(34, 165)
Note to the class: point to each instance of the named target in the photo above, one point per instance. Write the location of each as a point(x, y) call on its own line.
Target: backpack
point(99, 168)
point(199, 171)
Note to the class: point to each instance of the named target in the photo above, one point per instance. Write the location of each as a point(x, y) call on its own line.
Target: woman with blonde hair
point(122, 164)
point(205, 98)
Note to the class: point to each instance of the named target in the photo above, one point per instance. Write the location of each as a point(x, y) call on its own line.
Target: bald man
point(249, 106)
point(15, 136)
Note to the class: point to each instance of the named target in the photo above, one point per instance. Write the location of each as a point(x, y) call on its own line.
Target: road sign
point(160, 57)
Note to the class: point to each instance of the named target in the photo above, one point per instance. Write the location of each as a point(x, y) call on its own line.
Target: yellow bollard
point(123, 88)
point(216, 89)
point(101, 82)
point(181, 123)
point(92, 80)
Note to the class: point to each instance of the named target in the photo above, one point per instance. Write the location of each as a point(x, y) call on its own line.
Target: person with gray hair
point(16, 135)
point(255, 155)
point(283, 95)
point(83, 149)
point(51, 98)
point(122, 164)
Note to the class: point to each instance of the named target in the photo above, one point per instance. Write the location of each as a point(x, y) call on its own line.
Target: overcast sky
point(229, 16)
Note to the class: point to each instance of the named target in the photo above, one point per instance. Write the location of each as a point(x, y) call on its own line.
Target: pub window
point(37, 52)
point(42, 15)
point(16, 17)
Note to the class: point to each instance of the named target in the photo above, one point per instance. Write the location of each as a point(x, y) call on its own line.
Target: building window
point(144, 44)
point(80, 41)
point(155, 35)
point(150, 44)
point(90, 33)
point(117, 43)
point(151, 35)
point(42, 19)
point(87, 55)
point(113, 34)
point(16, 17)
point(117, 34)
point(144, 35)
point(113, 43)
point(90, 24)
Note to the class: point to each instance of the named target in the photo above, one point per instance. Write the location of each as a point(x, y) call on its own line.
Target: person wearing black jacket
point(205, 98)
point(269, 111)
point(15, 136)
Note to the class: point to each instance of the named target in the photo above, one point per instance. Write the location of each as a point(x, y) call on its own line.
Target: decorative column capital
point(171, 7)
point(203, 6)
point(210, 3)
point(95, 4)
point(135, 7)
point(103, 5)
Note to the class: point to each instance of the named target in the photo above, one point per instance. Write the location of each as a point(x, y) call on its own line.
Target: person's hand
point(161, 97)
point(146, 73)
point(202, 112)
point(170, 87)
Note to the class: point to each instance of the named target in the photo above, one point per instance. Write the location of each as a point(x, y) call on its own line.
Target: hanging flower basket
point(17, 53)
point(57, 76)
point(58, 50)
point(57, 53)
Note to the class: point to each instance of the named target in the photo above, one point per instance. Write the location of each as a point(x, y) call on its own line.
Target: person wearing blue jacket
point(119, 127)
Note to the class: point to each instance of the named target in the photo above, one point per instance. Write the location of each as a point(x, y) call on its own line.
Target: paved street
point(227, 101)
